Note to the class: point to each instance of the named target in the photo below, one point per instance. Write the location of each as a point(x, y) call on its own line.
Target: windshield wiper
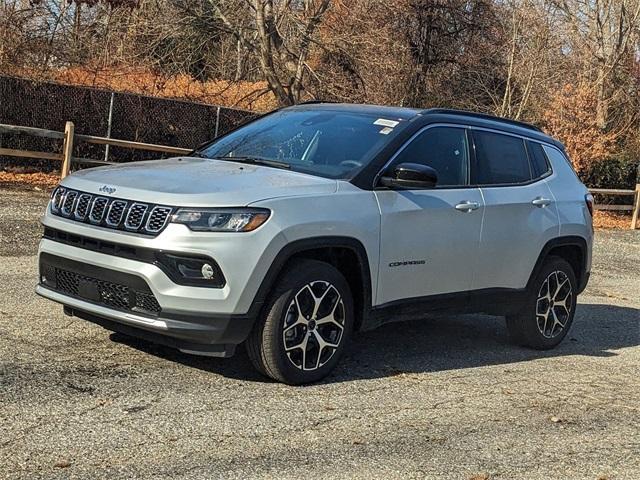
point(255, 161)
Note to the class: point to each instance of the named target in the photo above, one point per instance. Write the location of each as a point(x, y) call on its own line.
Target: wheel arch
point(347, 254)
point(573, 249)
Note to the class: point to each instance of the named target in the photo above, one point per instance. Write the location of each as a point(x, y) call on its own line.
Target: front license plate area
point(89, 289)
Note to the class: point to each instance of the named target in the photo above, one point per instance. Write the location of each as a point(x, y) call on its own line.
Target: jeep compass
point(295, 230)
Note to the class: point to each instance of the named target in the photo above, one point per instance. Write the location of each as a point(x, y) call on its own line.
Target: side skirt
point(491, 301)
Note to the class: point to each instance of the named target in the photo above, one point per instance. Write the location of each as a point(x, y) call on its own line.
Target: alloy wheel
point(554, 303)
point(313, 325)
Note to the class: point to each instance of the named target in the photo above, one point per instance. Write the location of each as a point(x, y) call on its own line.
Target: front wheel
point(548, 313)
point(305, 325)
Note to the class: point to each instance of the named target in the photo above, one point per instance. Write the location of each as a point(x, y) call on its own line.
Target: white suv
point(313, 221)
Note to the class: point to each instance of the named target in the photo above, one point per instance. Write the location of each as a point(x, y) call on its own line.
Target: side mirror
point(410, 176)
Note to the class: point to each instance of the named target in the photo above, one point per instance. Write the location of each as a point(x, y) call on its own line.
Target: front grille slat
point(98, 208)
point(82, 206)
point(68, 202)
point(57, 199)
point(158, 219)
point(116, 211)
point(135, 216)
point(108, 212)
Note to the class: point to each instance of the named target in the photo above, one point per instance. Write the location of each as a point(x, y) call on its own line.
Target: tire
point(548, 313)
point(288, 342)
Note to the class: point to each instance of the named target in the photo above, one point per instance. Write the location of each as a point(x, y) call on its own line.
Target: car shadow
point(438, 343)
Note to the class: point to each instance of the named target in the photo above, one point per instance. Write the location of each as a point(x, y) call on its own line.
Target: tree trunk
point(602, 101)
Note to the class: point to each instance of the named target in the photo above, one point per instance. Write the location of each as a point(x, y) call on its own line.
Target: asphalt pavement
point(449, 396)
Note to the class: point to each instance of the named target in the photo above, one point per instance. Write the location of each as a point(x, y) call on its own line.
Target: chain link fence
point(102, 113)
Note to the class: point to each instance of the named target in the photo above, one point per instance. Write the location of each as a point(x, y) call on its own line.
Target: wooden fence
point(635, 208)
point(68, 138)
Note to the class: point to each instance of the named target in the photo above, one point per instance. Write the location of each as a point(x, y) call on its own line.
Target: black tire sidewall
point(527, 321)
point(296, 277)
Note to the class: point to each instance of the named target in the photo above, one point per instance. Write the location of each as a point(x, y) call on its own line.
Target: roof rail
point(484, 116)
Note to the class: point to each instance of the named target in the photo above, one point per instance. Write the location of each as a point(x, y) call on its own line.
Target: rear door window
point(500, 159)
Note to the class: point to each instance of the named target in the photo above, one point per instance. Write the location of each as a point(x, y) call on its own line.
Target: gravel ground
point(447, 397)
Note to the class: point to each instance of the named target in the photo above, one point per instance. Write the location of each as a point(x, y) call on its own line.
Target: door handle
point(466, 206)
point(540, 201)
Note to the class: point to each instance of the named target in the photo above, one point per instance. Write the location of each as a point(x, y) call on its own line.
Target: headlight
point(221, 219)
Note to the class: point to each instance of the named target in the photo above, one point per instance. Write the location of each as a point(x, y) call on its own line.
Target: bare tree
point(437, 35)
point(604, 36)
point(280, 34)
point(532, 64)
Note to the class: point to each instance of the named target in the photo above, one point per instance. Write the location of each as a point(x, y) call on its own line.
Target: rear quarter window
point(539, 163)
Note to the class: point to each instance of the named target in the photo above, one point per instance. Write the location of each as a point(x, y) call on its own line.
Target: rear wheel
point(305, 325)
point(548, 312)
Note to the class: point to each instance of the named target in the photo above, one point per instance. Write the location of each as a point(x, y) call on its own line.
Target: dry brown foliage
point(611, 220)
point(240, 94)
point(42, 181)
point(572, 118)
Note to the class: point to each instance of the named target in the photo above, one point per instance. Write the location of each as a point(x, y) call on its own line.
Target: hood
point(192, 182)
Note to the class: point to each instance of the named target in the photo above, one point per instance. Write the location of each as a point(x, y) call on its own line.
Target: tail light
point(588, 199)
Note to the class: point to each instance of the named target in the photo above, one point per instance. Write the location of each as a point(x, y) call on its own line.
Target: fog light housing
point(197, 271)
point(48, 276)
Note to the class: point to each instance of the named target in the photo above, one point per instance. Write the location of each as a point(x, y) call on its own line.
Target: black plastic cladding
point(120, 296)
point(115, 213)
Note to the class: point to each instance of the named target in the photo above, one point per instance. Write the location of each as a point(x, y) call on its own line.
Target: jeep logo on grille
point(107, 189)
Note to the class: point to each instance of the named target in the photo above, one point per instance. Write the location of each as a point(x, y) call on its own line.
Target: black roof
point(382, 110)
point(441, 114)
point(483, 116)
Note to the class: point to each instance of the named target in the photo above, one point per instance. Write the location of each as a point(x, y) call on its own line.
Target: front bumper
point(203, 320)
point(124, 302)
point(209, 321)
point(244, 259)
point(213, 335)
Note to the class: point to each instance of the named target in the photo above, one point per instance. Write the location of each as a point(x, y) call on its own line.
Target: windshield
point(327, 143)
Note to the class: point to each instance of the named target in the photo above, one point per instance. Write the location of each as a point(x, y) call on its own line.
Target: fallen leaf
point(479, 476)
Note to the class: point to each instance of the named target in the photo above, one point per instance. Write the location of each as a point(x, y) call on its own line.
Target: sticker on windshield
point(386, 131)
point(386, 123)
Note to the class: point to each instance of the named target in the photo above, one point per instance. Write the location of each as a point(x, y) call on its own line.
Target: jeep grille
point(115, 213)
